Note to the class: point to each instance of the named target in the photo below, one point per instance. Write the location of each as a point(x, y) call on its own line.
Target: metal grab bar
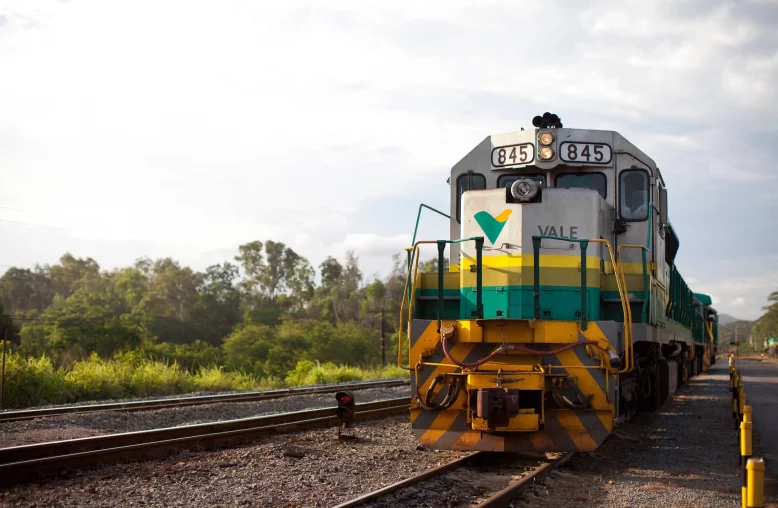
point(629, 357)
point(413, 259)
point(536, 239)
point(629, 346)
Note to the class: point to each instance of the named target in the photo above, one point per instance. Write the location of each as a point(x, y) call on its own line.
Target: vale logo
point(492, 226)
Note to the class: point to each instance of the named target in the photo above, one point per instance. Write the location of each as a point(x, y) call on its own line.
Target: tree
point(218, 306)
point(346, 295)
point(431, 265)
point(331, 272)
point(277, 280)
point(22, 289)
point(72, 274)
point(767, 325)
point(247, 347)
point(89, 322)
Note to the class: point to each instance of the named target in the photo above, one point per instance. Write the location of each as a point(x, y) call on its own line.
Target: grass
point(309, 373)
point(35, 381)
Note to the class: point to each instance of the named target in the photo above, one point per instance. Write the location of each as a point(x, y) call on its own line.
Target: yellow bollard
point(755, 488)
point(741, 396)
point(746, 427)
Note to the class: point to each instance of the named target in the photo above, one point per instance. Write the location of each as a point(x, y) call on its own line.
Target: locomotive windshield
point(594, 181)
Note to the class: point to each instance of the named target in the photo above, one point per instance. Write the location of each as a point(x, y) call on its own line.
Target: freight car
point(562, 312)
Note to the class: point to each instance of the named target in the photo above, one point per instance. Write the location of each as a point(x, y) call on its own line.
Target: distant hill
point(737, 328)
point(725, 319)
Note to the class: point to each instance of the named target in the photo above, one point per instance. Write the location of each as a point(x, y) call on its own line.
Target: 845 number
point(590, 153)
point(513, 154)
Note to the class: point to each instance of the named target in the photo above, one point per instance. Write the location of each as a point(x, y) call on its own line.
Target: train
point(555, 311)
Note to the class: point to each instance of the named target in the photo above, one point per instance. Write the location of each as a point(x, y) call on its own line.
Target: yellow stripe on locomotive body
point(562, 279)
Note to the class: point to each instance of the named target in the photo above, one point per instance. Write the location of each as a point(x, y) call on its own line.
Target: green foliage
point(767, 325)
point(158, 327)
point(35, 381)
point(310, 373)
point(190, 356)
point(247, 347)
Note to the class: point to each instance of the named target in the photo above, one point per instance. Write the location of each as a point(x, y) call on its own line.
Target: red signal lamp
point(345, 409)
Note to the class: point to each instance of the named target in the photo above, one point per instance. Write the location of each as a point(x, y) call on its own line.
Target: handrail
point(416, 230)
point(646, 289)
point(418, 216)
point(536, 239)
point(629, 361)
point(629, 346)
point(413, 258)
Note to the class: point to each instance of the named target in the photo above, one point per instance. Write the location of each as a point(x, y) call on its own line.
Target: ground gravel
point(305, 469)
point(685, 455)
point(70, 426)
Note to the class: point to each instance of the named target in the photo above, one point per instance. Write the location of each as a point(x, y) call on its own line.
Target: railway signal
point(345, 412)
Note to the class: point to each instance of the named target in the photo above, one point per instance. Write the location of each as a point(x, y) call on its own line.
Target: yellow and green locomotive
point(562, 312)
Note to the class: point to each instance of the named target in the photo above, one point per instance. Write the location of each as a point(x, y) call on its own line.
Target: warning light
point(345, 413)
point(345, 410)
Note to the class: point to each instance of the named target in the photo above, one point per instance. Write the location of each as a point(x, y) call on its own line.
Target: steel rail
point(508, 494)
point(23, 463)
point(142, 405)
point(498, 500)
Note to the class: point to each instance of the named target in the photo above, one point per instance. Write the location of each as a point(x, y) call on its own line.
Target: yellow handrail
point(412, 275)
point(621, 285)
point(624, 280)
point(628, 345)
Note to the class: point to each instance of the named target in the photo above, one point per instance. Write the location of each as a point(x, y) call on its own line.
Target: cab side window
point(634, 195)
point(466, 182)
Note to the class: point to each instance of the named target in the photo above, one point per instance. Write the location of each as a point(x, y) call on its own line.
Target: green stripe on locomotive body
point(517, 302)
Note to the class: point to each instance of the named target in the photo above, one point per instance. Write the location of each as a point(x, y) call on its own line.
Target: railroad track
point(497, 499)
point(142, 405)
point(23, 463)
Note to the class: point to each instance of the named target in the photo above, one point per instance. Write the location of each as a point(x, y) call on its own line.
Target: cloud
point(738, 302)
point(198, 127)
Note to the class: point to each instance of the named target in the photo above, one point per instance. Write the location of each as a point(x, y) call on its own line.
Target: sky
point(187, 128)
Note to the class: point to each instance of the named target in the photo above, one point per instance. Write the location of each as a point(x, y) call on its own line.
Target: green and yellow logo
point(492, 226)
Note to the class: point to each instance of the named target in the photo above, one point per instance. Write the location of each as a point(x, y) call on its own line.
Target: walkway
point(760, 379)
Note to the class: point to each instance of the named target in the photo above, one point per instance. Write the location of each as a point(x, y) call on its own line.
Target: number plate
point(585, 153)
point(513, 155)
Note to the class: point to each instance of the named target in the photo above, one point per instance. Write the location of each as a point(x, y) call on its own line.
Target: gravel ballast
point(684, 455)
point(311, 468)
point(71, 426)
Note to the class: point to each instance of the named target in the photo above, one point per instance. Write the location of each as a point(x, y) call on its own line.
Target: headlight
point(546, 138)
point(546, 153)
point(524, 189)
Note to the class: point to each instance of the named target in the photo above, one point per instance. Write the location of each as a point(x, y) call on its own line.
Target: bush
point(31, 381)
point(308, 373)
point(35, 381)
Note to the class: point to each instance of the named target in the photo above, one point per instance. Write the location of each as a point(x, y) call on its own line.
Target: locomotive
point(562, 312)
